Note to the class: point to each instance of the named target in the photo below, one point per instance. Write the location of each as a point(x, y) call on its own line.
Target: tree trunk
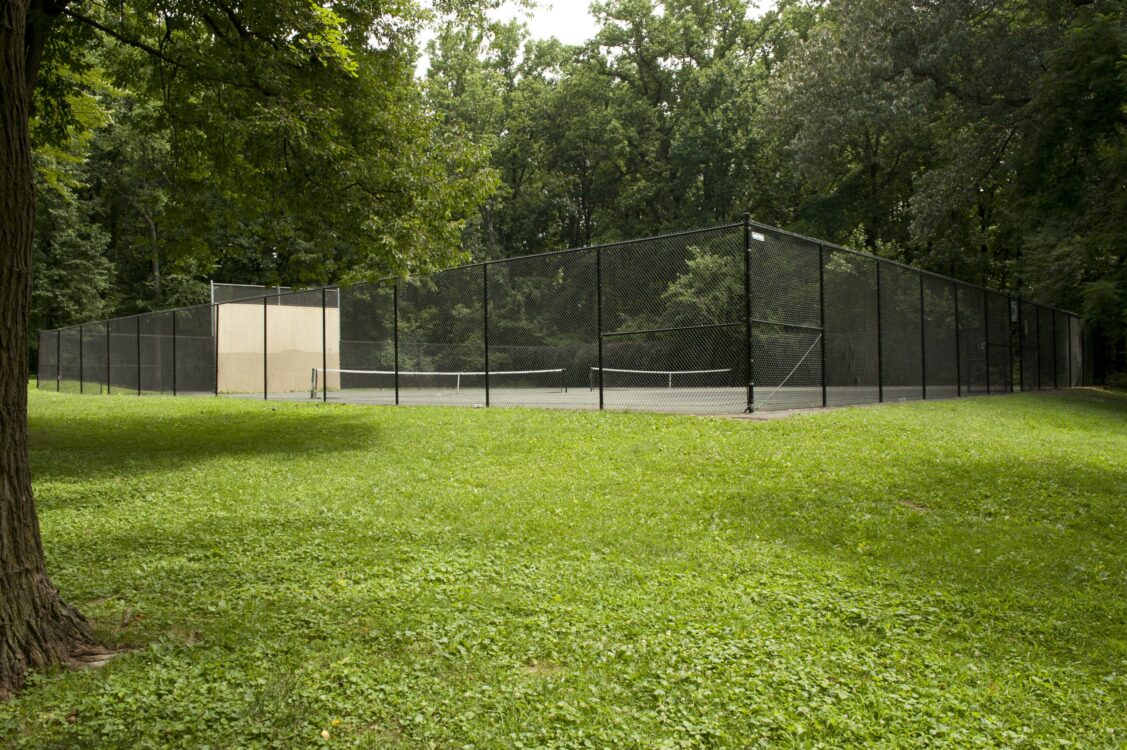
point(36, 627)
point(487, 214)
point(154, 249)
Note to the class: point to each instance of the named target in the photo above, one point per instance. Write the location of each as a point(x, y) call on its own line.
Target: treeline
point(176, 146)
point(980, 139)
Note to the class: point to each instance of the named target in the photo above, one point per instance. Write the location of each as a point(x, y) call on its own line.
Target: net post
point(923, 339)
point(324, 348)
point(395, 335)
point(174, 353)
point(750, 363)
point(485, 323)
point(958, 344)
point(138, 319)
point(880, 342)
point(599, 316)
point(265, 352)
point(81, 366)
point(822, 317)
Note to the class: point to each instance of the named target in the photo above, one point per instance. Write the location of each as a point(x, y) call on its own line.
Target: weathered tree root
point(42, 631)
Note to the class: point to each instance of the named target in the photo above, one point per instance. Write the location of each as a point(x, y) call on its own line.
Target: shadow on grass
point(87, 445)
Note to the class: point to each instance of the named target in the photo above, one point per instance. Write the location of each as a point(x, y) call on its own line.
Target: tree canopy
point(979, 139)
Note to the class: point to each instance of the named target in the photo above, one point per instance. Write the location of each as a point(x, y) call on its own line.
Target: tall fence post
point(174, 393)
point(822, 317)
point(1020, 345)
point(958, 344)
point(485, 323)
point(215, 319)
point(395, 335)
point(1069, 347)
point(58, 360)
point(1037, 312)
point(880, 342)
point(1013, 382)
point(138, 319)
point(748, 317)
point(923, 339)
point(1085, 371)
point(986, 334)
point(1056, 379)
point(265, 350)
point(599, 316)
point(81, 364)
point(325, 347)
point(109, 358)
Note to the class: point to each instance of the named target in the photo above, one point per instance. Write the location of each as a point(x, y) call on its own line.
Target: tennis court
point(723, 320)
point(667, 391)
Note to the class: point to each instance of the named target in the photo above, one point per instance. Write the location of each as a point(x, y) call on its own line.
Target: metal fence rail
point(724, 320)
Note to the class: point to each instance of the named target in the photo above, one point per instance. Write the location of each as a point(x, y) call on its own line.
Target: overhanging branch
point(128, 41)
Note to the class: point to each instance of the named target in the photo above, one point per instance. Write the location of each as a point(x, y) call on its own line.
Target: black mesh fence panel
point(195, 350)
point(696, 371)
point(1076, 349)
point(123, 355)
point(367, 346)
point(1046, 348)
point(442, 339)
point(1028, 341)
point(156, 353)
point(713, 321)
point(48, 370)
point(901, 333)
point(1062, 350)
point(999, 343)
point(94, 358)
point(940, 343)
point(787, 336)
point(543, 331)
point(70, 360)
point(297, 330)
point(852, 375)
point(972, 340)
point(673, 329)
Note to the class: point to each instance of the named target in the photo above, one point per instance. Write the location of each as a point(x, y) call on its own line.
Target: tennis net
point(553, 381)
point(618, 379)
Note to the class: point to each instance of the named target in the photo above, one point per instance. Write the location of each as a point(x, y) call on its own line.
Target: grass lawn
point(940, 574)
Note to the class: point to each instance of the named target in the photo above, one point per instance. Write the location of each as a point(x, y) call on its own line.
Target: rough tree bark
point(37, 627)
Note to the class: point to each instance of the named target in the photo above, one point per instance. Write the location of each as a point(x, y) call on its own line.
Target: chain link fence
point(723, 320)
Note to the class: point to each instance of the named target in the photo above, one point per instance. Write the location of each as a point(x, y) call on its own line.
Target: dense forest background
point(982, 139)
